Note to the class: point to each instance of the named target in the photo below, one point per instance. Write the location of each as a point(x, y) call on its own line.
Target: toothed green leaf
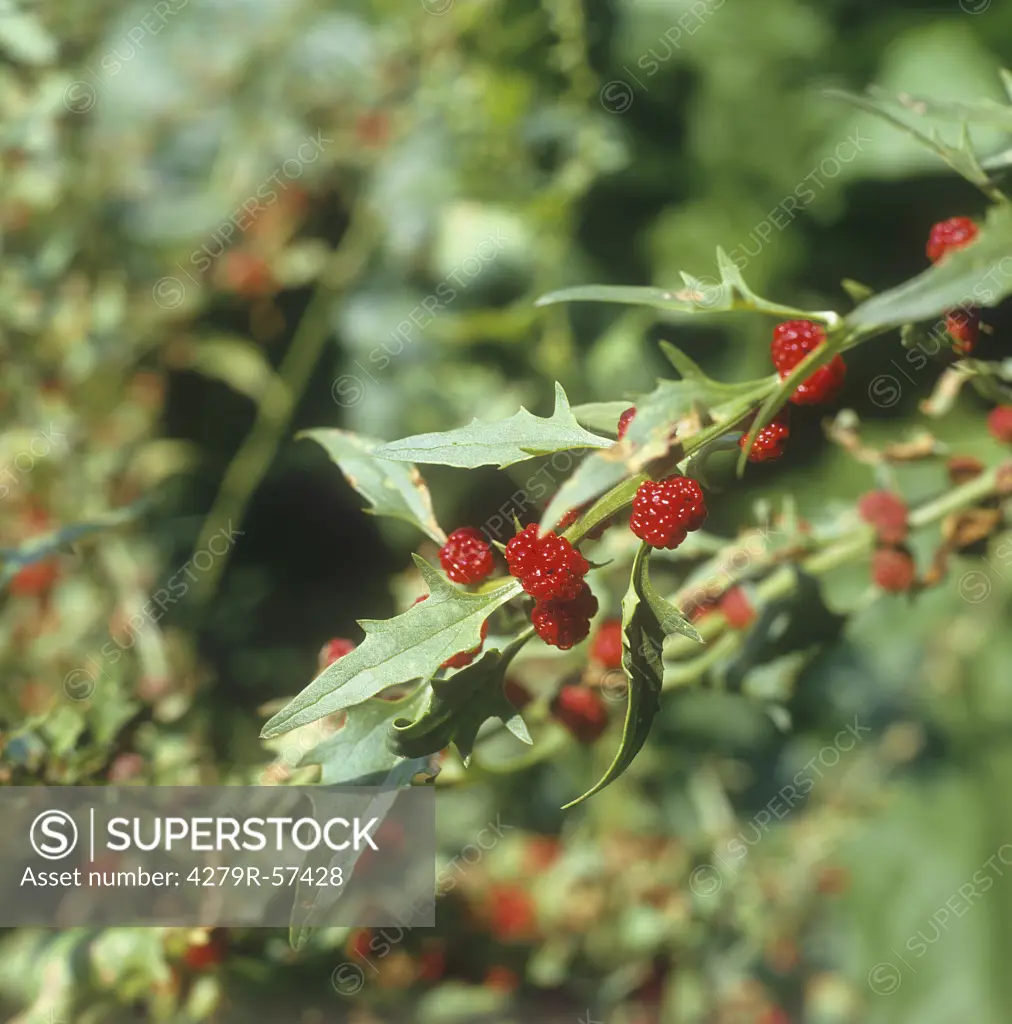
point(503, 443)
point(409, 646)
point(392, 488)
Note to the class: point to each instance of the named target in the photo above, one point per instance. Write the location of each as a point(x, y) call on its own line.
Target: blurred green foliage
point(228, 221)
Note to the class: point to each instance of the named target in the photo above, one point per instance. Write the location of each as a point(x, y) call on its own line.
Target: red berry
point(568, 519)
point(624, 420)
point(893, 570)
point(948, 235)
point(963, 326)
point(607, 645)
point(737, 609)
point(999, 423)
point(887, 513)
point(36, 579)
point(770, 441)
point(335, 649)
point(792, 341)
point(562, 623)
point(466, 556)
point(665, 511)
point(201, 956)
point(517, 694)
point(511, 912)
point(547, 565)
point(359, 942)
point(465, 658)
point(822, 386)
point(501, 979)
point(431, 965)
point(581, 711)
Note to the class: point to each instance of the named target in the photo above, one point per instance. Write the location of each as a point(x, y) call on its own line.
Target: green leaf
point(601, 416)
point(392, 488)
point(412, 645)
point(973, 276)
point(312, 902)
point(651, 432)
point(599, 472)
point(983, 111)
point(961, 158)
point(503, 443)
point(460, 706)
point(698, 296)
point(646, 619)
point(358, 752)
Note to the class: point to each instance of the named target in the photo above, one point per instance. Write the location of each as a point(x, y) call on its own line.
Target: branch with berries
point(441, 673)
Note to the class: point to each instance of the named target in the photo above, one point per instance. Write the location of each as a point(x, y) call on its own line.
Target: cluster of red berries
point(892, 566)
point(665, 511)
point(551, 570)
point(792, 341)
point(947, 236)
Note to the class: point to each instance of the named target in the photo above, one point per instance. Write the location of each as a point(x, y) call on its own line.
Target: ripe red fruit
point(887, 513)
point(607, 645)
point(581, 711)
point(665, 511)
point(464, 658)
point(334, 650)
point(548, 566)
point(501, 979)
point(999, 423)
point(568, 519)
point(517, 694)
point(770, 441)
point(963, 326)
point(893, 570)
point(737, 609)
point(203, 956)
point(624, 420)
point(563, 624)
point(431, 965)
point(792, 341)
point(511, 913)
point(466, 556)
point(35, 580)
point(948, 235)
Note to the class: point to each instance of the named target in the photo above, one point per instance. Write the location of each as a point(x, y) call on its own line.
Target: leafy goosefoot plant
point(674, 428)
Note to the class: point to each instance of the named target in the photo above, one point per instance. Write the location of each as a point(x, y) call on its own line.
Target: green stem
point(250, 464)
point(782, 582)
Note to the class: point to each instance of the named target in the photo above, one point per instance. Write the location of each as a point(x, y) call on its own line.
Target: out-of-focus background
point(225, 221)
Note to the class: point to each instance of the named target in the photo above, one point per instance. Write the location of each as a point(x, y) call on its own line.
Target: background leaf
point(392, 488)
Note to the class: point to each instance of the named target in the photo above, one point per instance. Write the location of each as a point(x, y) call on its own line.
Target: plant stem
point(250, 464)
point(783, 581)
